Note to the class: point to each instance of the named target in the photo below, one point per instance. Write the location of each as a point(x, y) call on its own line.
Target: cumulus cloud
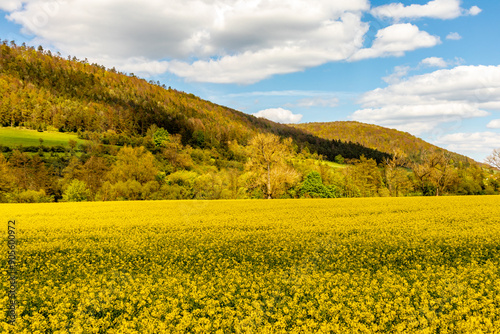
point(454, 36)
point(395, 40)
point(402, 71)
point(250, 67)
point(494, 124)
point(202, 40)
point(223, 41)
point(474, 10)
point(476, 143)
point(421, 103)
point(325, 42)
point(438, 9)
point(279, 115)
point(10, 5)
point(140, 66)
point(418, 118)
point(434, 62)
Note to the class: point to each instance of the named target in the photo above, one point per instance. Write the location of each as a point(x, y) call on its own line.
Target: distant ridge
point(376, 137)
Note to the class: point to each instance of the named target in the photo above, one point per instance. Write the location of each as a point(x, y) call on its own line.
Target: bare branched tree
point(494, 159)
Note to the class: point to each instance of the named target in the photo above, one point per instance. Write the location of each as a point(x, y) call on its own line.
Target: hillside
point(376, 137)
point(40, 90)
point(104, 135)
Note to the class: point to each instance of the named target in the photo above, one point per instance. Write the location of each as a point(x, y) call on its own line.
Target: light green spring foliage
point(375, 265)
point(313, 187)
point(76, 192)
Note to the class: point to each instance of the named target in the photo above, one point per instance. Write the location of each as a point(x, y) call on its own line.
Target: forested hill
point(139, 140)
point(376, 137)
point(44, 91)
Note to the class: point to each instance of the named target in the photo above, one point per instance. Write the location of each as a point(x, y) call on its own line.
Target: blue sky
point(430, 68)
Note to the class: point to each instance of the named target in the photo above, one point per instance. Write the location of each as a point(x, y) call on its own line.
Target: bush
point(313, 187)
point(76, 192)
point(29, 196)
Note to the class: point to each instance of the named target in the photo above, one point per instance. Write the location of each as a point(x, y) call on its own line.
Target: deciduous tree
point(313, 187)
point(6, 178)
point(396, 178)
point(270, 161)
point(76, 192)
point(134, 163)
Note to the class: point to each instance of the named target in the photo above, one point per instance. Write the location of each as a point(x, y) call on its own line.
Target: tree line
point(161, 167)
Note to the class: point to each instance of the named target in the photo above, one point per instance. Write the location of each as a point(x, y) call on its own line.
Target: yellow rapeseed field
point(374, 265)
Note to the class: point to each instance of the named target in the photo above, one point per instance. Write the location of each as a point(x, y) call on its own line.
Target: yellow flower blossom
point(374, 265)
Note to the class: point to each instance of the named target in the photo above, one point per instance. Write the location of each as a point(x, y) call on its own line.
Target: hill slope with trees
point(43, 91)
point(378, 138)
point(142, 140)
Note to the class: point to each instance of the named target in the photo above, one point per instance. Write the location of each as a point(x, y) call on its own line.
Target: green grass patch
point(13, 137)
point(334, 164)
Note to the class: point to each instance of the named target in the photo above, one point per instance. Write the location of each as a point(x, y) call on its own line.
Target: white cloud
point(325, 42)
point(250, 67)
point(402, 71)
point(279, 115)
point(10, 5)
point(225, 41)
point(434, 62)
point(318, 102)
point(473, 144)
point(395, 40)
point(289, 93)
point(474, 10)
point(454, 36)
point(494, 124)
point(140, 66)
point(418, 118)
point(425, 102)
point(438, 9)
point(397, 75)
